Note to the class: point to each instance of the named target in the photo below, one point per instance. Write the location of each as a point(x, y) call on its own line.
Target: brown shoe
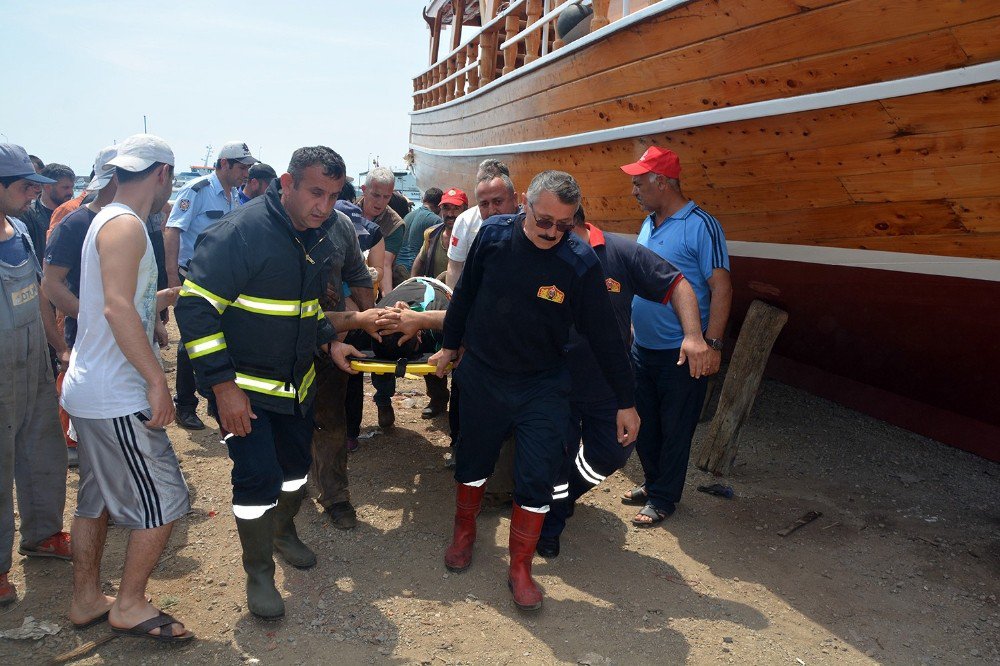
point(386, 416)
point(342, 515)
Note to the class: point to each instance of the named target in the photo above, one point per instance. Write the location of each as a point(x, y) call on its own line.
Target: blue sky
point(278, 75)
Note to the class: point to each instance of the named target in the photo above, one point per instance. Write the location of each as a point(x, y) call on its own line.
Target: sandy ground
point(903, 566)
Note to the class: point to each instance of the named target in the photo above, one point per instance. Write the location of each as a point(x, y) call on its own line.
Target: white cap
point(237, 150)
point(103, 172)
point(141, 151)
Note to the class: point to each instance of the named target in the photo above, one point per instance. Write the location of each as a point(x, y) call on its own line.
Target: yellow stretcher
point(401, 368)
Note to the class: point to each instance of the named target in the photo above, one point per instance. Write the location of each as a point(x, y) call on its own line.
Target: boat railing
point(519, 34)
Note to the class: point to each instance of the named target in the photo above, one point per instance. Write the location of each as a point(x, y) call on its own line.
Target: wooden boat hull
point(850, 150)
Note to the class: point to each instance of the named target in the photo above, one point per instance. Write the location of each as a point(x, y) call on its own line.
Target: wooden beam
point(458, 7)
point(760, 329)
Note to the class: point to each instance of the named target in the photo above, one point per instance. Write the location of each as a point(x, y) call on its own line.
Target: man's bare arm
point(454, 272)
point(120, 245)
point(364, 297)
point(57, 291)
point(171, 251)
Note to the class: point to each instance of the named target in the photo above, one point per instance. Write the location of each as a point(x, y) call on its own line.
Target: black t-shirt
point(65, 248)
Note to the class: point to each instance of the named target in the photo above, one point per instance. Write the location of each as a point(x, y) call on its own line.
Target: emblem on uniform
point(184, 204)
point(614, 286)
point(551, 293)
point(454, 240)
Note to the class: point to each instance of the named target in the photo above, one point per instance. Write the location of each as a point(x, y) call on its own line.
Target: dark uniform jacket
point(515, 303)
point(249, 309)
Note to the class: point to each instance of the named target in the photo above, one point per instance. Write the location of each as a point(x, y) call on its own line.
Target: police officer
point(629, 270)
point(198, 206)
point(251, 321)
point(526, 281)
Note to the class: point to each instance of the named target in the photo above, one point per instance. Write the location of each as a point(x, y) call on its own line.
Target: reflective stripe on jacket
point(249, 309)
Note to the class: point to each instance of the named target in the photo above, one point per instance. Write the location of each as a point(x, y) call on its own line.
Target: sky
point(278, 75)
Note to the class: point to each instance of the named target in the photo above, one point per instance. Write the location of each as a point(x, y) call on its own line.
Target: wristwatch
point(715, 343)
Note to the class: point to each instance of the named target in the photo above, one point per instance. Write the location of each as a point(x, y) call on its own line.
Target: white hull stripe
point(925, 264)
point(870, 92)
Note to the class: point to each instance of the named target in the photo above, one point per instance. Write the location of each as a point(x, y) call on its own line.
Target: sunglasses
point(548, 223)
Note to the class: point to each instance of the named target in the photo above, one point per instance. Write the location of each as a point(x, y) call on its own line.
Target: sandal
point(635, 497)
point(654, 514)
point(103, 617)
point(162, 622)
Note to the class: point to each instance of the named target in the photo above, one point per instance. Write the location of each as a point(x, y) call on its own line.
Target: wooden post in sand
point(761, 327)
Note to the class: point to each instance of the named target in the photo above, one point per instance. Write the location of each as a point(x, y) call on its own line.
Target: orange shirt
point(62, 211)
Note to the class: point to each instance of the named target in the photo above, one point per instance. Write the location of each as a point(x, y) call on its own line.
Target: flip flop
point(162, 622)
point(103, 617)
point(635, 497)
point(655, 515)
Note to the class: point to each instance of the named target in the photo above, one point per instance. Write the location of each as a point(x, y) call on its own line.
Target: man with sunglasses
point(525, 283)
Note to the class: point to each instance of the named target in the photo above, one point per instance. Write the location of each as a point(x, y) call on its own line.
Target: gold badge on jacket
point(551, 293)
point(614, 286)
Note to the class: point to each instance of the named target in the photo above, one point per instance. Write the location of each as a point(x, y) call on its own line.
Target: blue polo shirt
point(199, 205)
point(692, 240)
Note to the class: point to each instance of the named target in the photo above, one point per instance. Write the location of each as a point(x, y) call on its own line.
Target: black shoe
point(433, 408)
point(386, 416)
point(342, 515)
point(547, 546)
point(187, 419)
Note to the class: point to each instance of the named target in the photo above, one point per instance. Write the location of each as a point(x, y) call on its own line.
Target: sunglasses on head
point(548, 223)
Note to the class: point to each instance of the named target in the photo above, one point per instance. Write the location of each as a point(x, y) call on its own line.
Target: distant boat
point(850, 149)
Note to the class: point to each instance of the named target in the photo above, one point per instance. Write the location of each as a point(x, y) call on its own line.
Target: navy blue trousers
point(669, 401)
point(534, 407)
point(278, 449)
point(592, 454)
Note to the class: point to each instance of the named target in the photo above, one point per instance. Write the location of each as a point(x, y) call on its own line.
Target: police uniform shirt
point(629, 270)
point(199, 205)
point(515, 303)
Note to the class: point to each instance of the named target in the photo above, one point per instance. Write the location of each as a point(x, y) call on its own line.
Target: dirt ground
point(902, 567)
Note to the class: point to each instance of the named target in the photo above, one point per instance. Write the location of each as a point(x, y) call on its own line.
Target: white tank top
point(100, 382)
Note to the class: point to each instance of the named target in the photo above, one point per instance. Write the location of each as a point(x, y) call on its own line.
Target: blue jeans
point(669, 401)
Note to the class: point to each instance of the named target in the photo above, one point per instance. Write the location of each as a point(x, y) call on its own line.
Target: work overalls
point(32, 449)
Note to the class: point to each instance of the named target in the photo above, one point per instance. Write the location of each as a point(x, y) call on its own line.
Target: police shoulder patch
point(184, 204)
point(200, 185)
point(614, 286)
point(551, 293)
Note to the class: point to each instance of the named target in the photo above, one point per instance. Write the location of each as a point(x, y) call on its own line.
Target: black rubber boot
point(256, 537)
point(286, 539)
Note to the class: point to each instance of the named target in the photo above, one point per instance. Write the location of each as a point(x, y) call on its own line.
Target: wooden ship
point(850, 149)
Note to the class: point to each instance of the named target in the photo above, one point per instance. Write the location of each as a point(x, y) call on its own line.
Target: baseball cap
point(262, 171)
point(237, 150)
point(455, 197)
point(103, 172)
point(14, 161)
point(141, 151)
point(656, 160)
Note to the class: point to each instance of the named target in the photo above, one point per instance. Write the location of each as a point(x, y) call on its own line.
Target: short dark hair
point(348, 193)
point(262, 171)
point(433, 196)
point(7, 181)
point(57, 171)
point(37, 162)
point(389, 348)
point(125, 176)
point(303, 158)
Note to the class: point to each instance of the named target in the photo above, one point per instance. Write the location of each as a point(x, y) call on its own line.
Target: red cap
point(656, 160)
point(455, 197)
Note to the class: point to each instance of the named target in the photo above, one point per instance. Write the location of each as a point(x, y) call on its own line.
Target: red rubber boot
point(525, 526)
point(8, 594)
point(468, 499)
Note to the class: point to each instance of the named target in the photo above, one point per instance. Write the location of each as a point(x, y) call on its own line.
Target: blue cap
point(14, 161)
